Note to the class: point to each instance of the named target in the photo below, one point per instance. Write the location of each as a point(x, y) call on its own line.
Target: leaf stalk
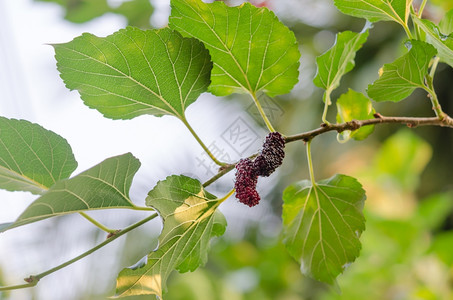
point(97, 224)
point(262, 113)
point(205, 148)
point(310, 164)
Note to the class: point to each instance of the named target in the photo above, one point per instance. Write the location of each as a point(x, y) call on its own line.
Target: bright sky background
point(31, 89)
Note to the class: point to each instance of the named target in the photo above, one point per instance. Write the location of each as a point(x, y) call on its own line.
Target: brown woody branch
point(411, 122)
point(378, 119)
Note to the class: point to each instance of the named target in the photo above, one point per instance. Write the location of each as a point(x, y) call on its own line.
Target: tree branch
point(34, 279)
point(379, 119)
point(411, 122)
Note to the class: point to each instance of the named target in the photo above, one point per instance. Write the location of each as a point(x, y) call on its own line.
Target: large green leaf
point(32, 158)
point(251, 49)
point(338, 60)
point(443, 43)
point(190, 220)
point(322, 224)
point(134, 72)
point(407, 73)
point(355, 106)
point(376, 10)
point(105, 185)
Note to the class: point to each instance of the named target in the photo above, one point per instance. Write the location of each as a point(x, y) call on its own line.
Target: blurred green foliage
point(407, 245)
point(137, 12)
point(406, 250)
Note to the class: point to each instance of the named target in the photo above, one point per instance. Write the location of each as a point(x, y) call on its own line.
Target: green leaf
point(355, 106)
point(251, 49)
point(443, 43)
point(407, 73)
point(322, 224)
point(32, 158)
point(190, 220)
point(105, 185)
point(338, 60)
point(134, 72)
point(376, 10)
point(446, 24)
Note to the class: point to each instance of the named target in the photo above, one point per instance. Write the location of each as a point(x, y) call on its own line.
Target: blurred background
point(407, 173)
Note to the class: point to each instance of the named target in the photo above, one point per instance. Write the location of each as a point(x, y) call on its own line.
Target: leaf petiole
point(262, 113)
point(98, 224)
point(205, 148)
point(327, 103)
point(310, 164)
point(221, 200)
point(432, 93)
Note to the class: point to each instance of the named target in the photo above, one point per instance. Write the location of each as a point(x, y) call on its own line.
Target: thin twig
point(411, 122)
point(34, 279)
point(379, 119)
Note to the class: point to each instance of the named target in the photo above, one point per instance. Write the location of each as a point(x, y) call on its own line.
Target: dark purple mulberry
point(271, 156)
point(245, 184)
point(247, 171)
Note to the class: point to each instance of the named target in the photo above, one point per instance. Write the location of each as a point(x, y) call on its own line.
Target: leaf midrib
point(159, 96)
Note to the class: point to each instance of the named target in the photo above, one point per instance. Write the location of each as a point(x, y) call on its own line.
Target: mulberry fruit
point(245, 184)
point(247, 171)
point(271, 156)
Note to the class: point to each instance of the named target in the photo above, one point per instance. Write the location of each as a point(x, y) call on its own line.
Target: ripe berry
point(271, 156)
point(245, 184)
point(247, 171)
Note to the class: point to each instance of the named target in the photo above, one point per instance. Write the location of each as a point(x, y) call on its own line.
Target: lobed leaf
point(339, 59)
point(105, 185)
point(355, 106)
point(251, 49)
point(32, 158)
point(322, 224)
point(376, 10)
point(443, 43)
point(134, 72)
point(190, 220)
point(407, 73)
